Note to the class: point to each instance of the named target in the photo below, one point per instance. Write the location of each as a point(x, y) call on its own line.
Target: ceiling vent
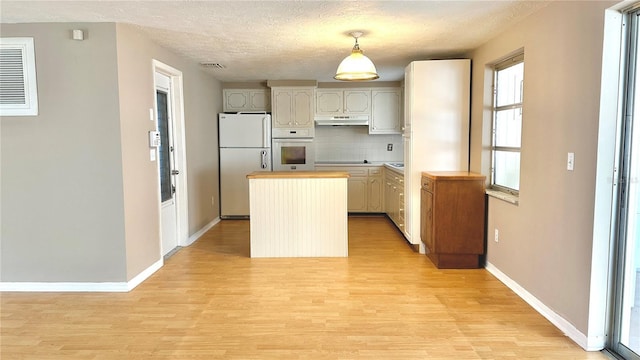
point(210, 65)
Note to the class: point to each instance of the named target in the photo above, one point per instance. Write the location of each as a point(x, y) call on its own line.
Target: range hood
point(342, 120)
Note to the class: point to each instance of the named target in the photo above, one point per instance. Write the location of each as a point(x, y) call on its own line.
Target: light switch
point(571, 157)
point(152, 154)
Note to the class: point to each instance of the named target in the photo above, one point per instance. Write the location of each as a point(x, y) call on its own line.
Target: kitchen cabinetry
point(364, 187)
point(386, 111)
point(341, 102)
point(436, 127)
point(235, 100)
point(292, 107)
point(394, 197)
point(374, 190)
point(452, 218)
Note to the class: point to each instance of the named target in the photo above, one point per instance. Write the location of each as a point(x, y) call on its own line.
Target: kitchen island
point(298, 214)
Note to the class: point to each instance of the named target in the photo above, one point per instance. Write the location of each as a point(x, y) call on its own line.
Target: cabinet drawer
point(355, 172)
point(427, 184)
point(375, 172)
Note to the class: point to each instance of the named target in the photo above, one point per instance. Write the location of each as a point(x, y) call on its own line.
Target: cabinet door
point(426, 220)
point(303, 108)
point(357, 194)
point(235, 100)
point(259, 100)
point(282, 107)
point(374, 198)
point(387, 195)
point(400, 204)
point(328, 102)
point(386, 112)
point(357, 102)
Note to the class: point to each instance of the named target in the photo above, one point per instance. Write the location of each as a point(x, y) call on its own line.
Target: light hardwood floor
point(211, 301)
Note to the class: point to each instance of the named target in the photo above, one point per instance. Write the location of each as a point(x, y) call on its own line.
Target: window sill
point(512, 199)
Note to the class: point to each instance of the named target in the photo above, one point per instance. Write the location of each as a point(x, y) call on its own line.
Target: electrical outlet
point(389, 147)
point(496, 236)
point(213, 201)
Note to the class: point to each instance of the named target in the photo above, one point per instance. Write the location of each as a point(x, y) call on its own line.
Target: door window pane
point(164, 150)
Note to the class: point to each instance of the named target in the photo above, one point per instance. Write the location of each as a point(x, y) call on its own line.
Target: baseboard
point(82, 286)
point(98, 286)
point(202, 231)
point(144, 275)
point(566, 327)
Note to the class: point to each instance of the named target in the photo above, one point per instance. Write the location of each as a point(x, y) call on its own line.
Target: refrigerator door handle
point(263, 154)
point(266, 133)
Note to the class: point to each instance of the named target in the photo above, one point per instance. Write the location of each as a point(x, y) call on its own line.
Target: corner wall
point(202, 102)
point(546, 241)
point(62, 194)
point(79, 193)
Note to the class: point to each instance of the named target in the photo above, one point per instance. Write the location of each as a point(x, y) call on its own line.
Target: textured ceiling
point(281, 40)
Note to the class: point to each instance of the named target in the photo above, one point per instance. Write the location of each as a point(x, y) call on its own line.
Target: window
point(508, 84)
point(18, 91)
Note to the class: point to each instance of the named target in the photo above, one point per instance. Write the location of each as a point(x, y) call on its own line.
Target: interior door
point(166, 164)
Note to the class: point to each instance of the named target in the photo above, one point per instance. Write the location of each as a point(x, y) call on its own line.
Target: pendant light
point(356, 67)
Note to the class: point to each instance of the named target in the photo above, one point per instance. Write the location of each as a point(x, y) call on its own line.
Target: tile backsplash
point(353, 143)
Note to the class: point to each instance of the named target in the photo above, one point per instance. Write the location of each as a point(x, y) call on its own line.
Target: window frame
point(25, 45)
point(504, 64)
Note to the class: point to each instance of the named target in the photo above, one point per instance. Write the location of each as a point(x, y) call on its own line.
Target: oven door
point(293, 155)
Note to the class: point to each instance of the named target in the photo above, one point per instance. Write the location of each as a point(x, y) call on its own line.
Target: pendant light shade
point(356, 67)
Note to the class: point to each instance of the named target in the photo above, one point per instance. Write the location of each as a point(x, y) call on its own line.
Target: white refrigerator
point(245, 147)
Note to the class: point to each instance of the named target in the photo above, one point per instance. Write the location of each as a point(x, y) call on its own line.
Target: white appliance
point(436, 128)
point(293, 149)
point(293, 154)
point(245, 147)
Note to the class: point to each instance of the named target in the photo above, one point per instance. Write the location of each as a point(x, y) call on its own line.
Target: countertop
point(298, 175)
point(347, 163)
point(453, 175)
point(397, 166)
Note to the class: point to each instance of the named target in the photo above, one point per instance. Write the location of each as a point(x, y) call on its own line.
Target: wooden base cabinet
point(452, 218)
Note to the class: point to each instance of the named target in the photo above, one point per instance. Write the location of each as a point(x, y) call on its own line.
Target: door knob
point(175, 172)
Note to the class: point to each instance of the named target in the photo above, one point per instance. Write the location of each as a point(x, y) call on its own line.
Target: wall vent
point(18, 90)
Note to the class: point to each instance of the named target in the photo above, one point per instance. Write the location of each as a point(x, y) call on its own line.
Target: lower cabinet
point(394, 197)
point(452, 218)
point(357, 193)
point(364, 187)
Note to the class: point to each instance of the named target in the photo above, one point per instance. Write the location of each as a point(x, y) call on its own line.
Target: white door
point(166, 164)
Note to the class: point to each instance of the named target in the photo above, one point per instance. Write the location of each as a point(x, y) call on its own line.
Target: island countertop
point(298, 175)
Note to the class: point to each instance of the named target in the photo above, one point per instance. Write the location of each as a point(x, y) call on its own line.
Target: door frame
point(180, 155)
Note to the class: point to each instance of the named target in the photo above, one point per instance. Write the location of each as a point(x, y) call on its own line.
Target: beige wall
point(79, 193)
point(62, 193)
point(202, 102)
point(546, 241)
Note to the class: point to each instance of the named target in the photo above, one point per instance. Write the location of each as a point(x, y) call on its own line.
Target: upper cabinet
point(341, 102)
point(386, 111)
point(292, 107)
point(235, 100)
